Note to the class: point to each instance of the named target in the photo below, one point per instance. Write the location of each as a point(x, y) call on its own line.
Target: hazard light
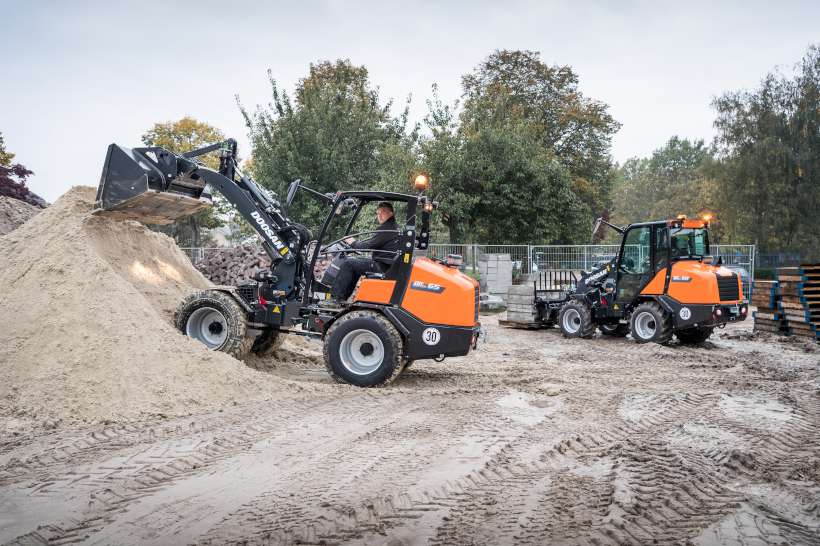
point(421, 182)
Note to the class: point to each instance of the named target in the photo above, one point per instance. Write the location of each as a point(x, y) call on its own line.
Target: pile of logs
point(791, 304)
point(233, 266)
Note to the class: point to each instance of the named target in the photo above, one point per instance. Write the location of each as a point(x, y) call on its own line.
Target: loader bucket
point(143, 184)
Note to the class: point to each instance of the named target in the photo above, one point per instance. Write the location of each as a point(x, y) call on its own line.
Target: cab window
point(635, 257)
point(661, 247)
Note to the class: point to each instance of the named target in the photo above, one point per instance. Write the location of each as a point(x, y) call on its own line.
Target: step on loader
point(418, 308)
point(663, 282)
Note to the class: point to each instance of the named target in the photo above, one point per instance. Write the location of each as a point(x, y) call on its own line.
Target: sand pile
point(86, 335)
point(14, 213)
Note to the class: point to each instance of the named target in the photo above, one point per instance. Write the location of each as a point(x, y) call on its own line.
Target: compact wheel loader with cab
point(419, 308)
point(662, 282)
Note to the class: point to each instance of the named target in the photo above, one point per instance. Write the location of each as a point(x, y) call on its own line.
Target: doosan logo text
point(264, 225)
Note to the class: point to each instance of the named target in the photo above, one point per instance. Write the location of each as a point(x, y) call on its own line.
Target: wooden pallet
point(798, 293)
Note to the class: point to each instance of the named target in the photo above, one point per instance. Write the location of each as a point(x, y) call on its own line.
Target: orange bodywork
point(701, 288)
point(436, 294)
point(375, 291)
point(453, 306)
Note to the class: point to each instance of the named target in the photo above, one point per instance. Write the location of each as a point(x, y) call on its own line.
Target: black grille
point(248, 293)
point(475, 316)
point(728, 287)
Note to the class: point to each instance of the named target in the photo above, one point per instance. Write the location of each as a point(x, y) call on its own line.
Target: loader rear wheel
point(614, 330)
point(575, 320)
point(650, 323)
point(693, 336)
point(267, 343)
point(362, 348)
point(216, 320)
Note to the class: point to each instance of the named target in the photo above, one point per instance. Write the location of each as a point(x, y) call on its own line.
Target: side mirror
point(292, 189)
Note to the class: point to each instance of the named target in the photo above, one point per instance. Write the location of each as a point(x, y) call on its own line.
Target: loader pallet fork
point(417, 309)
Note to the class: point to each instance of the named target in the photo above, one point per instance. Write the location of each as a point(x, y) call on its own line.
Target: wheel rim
point(209, 326)
point(571, 321)
point(361, 352)
point(645, 325)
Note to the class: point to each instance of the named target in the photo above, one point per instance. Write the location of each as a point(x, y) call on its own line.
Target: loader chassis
point(368, 340)
point(662, 282)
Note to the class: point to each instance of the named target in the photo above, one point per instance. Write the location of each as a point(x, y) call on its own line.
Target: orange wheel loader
point(662, 283)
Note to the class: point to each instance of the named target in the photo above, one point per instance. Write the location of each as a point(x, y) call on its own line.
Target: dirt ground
point(533, 439)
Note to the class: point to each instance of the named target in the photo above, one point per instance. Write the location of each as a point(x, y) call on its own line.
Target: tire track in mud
point(641, 490)
point(62, 452)
point(643, 453)
point(110, 487)
point(352, 494)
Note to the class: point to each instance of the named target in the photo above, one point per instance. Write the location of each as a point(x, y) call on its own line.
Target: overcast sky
point(80, 75)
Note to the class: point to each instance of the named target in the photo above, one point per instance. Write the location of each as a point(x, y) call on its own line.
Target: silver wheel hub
point(209, 326)
point(361, 352)
point(571, 321)
point(645, 325)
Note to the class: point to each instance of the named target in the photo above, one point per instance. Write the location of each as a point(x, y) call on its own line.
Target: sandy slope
point(86, 305)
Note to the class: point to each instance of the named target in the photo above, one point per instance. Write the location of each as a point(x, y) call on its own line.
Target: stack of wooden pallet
point(769, 316)
point(799, 291)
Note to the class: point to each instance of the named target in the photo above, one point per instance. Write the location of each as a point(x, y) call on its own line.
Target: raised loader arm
point(153, 185)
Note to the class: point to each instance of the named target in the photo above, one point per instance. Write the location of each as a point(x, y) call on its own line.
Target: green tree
point(676, 179)
point(516, 86)
point(335, 134)
point(526, 159)
point(5, 157)
point(181, 136)
point(769, 144)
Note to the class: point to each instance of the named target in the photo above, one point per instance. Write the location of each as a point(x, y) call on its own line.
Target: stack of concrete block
point(520, 308)
point(496, 273)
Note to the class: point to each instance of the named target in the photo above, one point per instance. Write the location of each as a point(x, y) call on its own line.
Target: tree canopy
point(676, 179)
point(13, 179)
point(334, 134)
point(526, 159)
point(5, 156)
point(769, 146)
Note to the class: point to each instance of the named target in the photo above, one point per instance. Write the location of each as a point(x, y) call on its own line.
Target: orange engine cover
point(702, 286)
point(437, 294)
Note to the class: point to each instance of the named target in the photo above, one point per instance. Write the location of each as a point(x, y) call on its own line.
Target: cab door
point(634, 264)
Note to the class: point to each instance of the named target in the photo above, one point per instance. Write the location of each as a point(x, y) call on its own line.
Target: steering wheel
point(627, 264)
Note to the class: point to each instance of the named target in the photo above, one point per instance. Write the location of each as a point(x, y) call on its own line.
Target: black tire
point(575, 320)
point(267, 343)
point(215, 319)
point(355, 337)
point(650, 323)
point(614, 330)
point(693, 336)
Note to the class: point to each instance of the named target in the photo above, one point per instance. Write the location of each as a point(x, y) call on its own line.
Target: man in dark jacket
point(384, 243)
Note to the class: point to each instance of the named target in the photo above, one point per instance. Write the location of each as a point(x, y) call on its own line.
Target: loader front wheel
point(216, 320)
point(362, 348)
point(650, 323)
point(575, 320)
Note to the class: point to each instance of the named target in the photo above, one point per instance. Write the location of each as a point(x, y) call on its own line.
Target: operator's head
point(384, 211)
